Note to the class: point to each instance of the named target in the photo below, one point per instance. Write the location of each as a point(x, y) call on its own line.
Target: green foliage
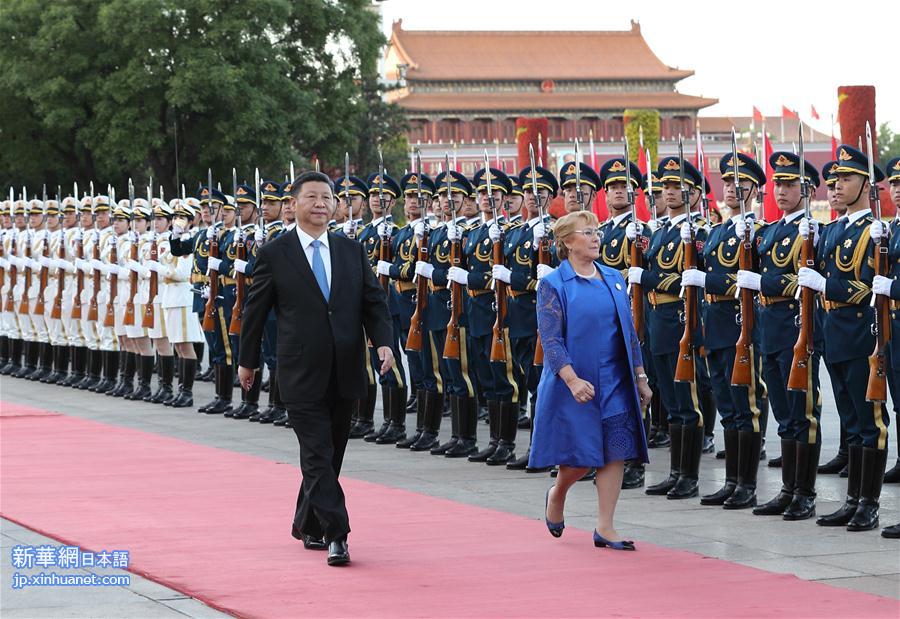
point(649, 121)
point(888, 144)
point(105, 89)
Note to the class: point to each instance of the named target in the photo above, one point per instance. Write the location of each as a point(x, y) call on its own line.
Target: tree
point(648, 120)
point(106, 89)
point(888, 144)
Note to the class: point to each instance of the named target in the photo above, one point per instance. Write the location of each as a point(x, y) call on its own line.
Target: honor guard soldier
point(25, 285)
point(5, 274)
point(159, 246)
point(522, 258)
point(662, 283)
point(109, 343)
point(738, 403)
point(417, 190)
point(846, 258)
point(50, 283)
point(59, 309)
point(89, 239)
point(12, 287)
point(39, 247)
point(138, 293)
point(615, 252)
point(888, 286)
point(122, 223)
point(779, 248)
point(383, 192)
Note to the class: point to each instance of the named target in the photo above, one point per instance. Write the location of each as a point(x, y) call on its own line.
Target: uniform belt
point(197, 278)
point(518, 293)
point(718, 298)
point(405, 286)
point(766, 301)
point(478, 293)
point(437, 288)
point(227, 281)
point(833, 305)
point(661, 298)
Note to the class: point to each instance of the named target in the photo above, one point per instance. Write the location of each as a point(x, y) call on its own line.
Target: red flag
point(770, 208)
point(757, 115)
point(813, 112)
point(834, 145)
point(640, 200)
point(710, 196)
point(600, 209)
point(788, 113)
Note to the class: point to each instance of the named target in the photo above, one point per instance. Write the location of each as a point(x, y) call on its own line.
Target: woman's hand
point(582, 390)
point(644, 392)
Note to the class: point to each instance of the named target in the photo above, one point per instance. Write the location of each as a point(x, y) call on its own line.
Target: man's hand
point(386, 356)
point(383, 267)
point(543, 270)
point(246, 375)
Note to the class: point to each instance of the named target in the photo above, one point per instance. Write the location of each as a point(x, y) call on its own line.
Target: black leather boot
point(803, 505)
point(836, 464)
point(44, 363)
point(225, 389)
point(166, 376)
point(419, 409)
point(431, 423)
point(443, 448)
point(251, 402)
point(120, 378)
point(31, 358)
point(396, 430)
point(95, 365)
point(79, 363)
point(660, 438)
point(494, 424)
point(842, 516)
point(110, 372)
point(866, 516)
point(731, 471)
point(674, 463)
point(60, 365)
point(776, 506)
point(145, 375)
point(506, 446)
point(4, 351)
point(365, 414)
point(468, 425)
point(413, 398)
point(372, 436)
point(215, 371)
point(126, 383)
point(688, 482)
point(14, 364)
point(521, 463)
point(744, 495)
point(185, 397)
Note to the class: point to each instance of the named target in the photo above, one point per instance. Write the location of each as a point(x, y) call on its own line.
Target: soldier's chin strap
point(862, 188)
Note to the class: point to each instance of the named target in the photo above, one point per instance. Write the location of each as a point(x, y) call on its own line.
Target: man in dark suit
point(324, 295)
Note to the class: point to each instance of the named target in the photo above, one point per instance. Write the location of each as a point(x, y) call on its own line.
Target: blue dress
point(586, 323)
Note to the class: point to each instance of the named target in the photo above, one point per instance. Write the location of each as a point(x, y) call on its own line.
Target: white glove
point(631, 231)
point(749, 280)
point(653, 225)
point(35, 264)
point(424, 269)
point(809, 278)
point(240, 266)
point(210, 233)
point(543, 270)
point(348, 227)
point(97, 265)
point(83, 265)
point(538, 232)
point(383, 229)
point(68, 266)
point(494, 233)
point(177, 230)
point(4, 263)
point(140, 269)
point(153, 265)
point(740, 227)
point(419, 229)
point(635, 274)
point(877, 230)
point(259, 236)
point(53, 263)
point(204, 292)
point(806, 226)
point(688, 231)
point(501, 272)
point(95, 236)
point(213, 264)
point(383, 267)
point(693, 277)
point(458, 275)
point(45, 262)
point(881, 284)
point(454, 232)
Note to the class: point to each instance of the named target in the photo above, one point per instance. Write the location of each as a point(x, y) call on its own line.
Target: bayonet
point(579, 196)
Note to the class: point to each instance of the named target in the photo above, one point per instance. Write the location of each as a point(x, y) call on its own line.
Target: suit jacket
point(315, 335)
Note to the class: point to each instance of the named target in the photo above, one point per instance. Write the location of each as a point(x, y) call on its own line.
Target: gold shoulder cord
point(855, 264)
point(668, 264)
point(791, 258)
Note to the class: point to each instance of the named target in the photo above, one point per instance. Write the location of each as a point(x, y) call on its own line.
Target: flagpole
point(782, 126)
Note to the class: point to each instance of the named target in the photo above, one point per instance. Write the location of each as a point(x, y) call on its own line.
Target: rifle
point(876, 389)
point(109, 320)
point(149, 318)
point(798, 379)
point(498, 344)
point(44, 273)
point(636, 250)
point(13, 271)
point(543, 256)
point(79, 255)
point(416, 323)
point(352, 234)
point(23, 303)
point(93, 307)
point(578, 193)
point(684, 369)
point(209, 312)
point(237, 310)
point(651, 199)
point(743, 358)
point(451, 343)
point(132, 256)
point(384, 248)
point(56, 312)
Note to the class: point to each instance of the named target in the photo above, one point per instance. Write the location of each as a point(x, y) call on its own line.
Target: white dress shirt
point(306, 243)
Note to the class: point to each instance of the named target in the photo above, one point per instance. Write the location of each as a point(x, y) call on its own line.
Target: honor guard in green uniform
point(844, 278)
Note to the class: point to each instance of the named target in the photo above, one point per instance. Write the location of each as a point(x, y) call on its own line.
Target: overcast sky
point(788, 53)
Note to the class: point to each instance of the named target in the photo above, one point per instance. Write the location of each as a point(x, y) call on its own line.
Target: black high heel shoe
point(555, 528)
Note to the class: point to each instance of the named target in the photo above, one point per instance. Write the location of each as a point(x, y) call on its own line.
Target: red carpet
point(8, 409)
point(215, 525)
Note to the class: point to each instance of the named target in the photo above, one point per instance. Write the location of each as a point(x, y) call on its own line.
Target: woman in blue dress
point(593, 386)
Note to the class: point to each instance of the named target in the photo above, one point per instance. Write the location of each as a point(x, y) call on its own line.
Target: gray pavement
point(861, 561)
